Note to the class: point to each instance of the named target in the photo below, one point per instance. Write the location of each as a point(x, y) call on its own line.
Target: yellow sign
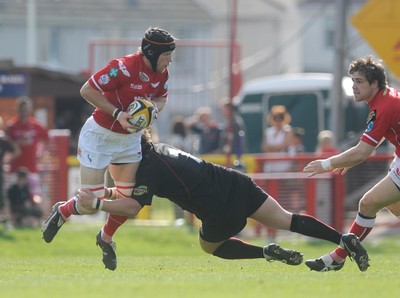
point(378, 22)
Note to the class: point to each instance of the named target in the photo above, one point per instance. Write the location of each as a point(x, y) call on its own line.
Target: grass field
point(167, 262)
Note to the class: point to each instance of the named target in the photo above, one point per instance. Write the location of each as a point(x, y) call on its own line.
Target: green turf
point(167, 262)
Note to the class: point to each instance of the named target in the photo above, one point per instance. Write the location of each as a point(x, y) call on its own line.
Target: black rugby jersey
point(196, 185)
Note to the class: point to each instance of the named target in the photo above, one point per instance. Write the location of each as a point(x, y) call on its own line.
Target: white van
point(307, 98)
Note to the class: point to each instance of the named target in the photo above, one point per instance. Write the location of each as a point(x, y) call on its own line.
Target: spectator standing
point(179, 138)
point(31, 136)
point(234, 133)
point(277, 137)
point(207, 129)
point(276, 141)
point(296, 146)
point(22, 205)
point(326, 144)
point(296, 141)
point(8, 151)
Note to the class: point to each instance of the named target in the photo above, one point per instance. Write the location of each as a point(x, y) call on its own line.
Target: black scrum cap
point(155, 42)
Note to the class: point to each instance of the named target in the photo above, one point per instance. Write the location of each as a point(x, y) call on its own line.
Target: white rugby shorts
point(395, 170)
point(98, 147)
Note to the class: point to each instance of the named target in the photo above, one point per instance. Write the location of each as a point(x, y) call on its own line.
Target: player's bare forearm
point(160, 102)
point(125, 207)
point(341, 162)
point(352, 156)
point(96, 98)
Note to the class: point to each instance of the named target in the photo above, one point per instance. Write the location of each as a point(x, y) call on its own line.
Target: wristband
point(116, 113)
point(155, 107)
point(97, 204)
point(326, 164)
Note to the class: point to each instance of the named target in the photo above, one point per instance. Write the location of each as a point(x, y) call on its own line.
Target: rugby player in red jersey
point(30, 136)
point(370, 86)
point(104, 141)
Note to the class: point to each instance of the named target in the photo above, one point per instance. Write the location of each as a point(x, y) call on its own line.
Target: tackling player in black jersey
point(222, 198)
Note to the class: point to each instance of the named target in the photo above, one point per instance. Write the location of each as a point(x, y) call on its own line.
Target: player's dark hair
point(178, 126)
point(372, 68)
point(22, 172)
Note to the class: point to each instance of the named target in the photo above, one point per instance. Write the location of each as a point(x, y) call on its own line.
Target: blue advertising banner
point(13, 84)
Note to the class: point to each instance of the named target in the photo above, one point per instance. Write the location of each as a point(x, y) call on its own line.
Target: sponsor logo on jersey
point(113, 72)
point(140, 190)
point(136, 86)
point(104, 79)
point(370, 120)
point(122, 67)
point(371, 116)
point(138, 98)
point(370, 126)
point(143, 77)
point(155, 85)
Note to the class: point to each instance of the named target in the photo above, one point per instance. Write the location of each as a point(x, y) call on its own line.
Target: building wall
point(64, 32)
point(318, 48)
point(62, 39)
point(276, 37)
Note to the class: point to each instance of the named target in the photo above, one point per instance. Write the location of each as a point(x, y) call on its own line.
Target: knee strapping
point(124, 189)
point(97, 189)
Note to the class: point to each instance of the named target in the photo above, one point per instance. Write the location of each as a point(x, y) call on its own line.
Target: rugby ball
point(142, 113)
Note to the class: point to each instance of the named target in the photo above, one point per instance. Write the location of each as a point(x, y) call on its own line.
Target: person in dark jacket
point(21, 201)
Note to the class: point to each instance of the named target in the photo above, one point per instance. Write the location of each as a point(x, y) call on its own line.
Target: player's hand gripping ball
point(142, 114)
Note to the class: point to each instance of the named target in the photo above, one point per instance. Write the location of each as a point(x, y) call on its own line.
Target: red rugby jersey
point(384, 119)
point(27, 135)
point(122, 81)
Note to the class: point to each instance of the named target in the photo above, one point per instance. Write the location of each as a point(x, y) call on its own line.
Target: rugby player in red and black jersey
point(104, 141)
point(221, 198)
point(370, 86)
